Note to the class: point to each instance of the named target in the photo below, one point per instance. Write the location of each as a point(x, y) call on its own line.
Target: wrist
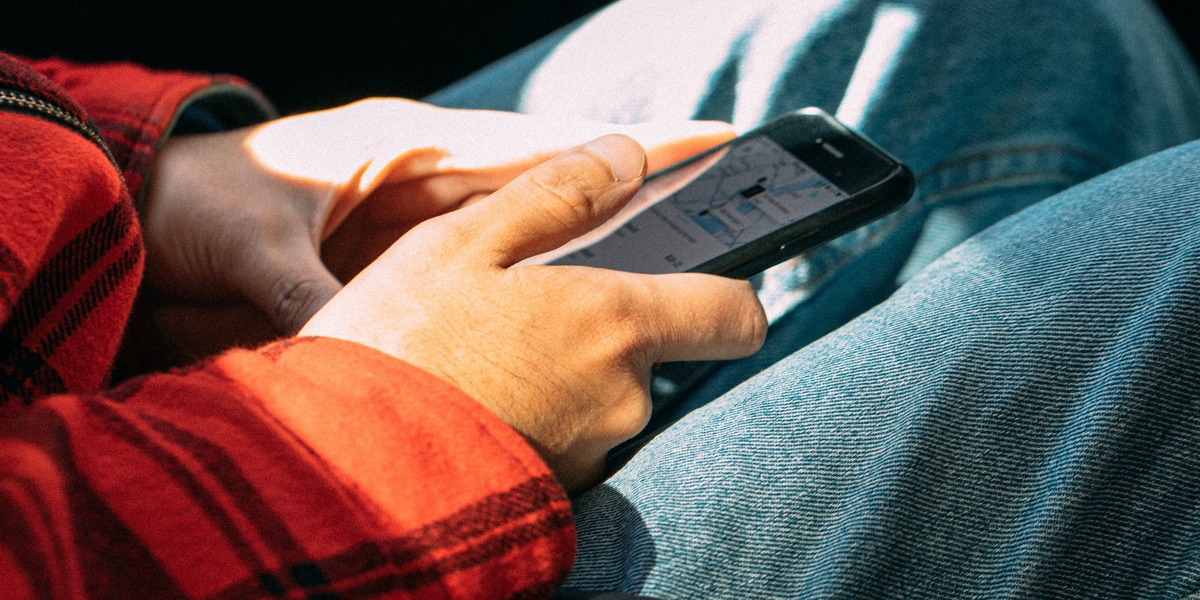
point(219, 106)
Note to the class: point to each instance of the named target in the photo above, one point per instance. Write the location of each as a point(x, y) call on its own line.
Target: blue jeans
point(993, 392)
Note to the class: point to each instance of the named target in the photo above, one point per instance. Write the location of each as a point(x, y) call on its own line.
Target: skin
point(249, 232)
point(427, 234)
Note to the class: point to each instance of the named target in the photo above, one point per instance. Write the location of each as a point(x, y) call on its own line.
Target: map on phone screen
point(710, 207)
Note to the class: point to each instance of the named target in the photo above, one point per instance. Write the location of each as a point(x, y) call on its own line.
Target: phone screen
point(711, 207)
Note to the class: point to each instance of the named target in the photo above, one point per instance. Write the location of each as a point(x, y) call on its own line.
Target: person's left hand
point(249, 232)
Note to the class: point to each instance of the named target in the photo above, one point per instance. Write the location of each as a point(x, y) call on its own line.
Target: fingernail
point(625, 158)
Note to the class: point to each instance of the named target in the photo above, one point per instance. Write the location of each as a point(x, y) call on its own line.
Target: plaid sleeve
point(134, 108)
point(184, 485)
point(70, 247)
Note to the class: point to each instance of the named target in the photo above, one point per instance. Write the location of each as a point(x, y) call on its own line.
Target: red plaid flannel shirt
point(180, 484)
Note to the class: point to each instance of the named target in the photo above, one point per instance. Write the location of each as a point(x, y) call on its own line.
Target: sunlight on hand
point(357, 147)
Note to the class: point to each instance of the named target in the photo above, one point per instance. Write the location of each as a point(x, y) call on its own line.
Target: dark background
point(309, 55)
point(305, 55)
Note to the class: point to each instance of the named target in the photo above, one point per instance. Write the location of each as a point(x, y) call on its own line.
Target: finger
point(290, 286)
point(669, 142)
point(553, 202)
point(701, 317)
point(665, 143)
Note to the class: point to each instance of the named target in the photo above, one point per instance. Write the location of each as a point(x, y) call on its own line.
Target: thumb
point(290, 287)
point(553, 202)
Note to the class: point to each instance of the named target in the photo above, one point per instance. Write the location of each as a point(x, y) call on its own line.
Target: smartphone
point(748, 204)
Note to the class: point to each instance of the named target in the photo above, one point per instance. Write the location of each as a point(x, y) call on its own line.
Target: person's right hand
point(562, 354)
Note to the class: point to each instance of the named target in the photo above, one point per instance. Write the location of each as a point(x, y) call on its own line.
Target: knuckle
point(753, 319)
point(756, 330)
point(635, 332)
point(633, 412)
point(439, 236)
point(560, 195)
point(295, 301)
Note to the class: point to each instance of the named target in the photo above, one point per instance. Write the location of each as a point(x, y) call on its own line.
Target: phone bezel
point(874, 181)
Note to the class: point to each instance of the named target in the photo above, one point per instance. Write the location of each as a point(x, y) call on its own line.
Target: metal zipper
point(29, 103)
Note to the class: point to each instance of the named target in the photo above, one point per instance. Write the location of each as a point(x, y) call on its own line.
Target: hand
point(249, 232)
point(562, 354)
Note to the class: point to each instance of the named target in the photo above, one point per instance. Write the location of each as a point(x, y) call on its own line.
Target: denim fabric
point(994, 104)
point(1018, 419)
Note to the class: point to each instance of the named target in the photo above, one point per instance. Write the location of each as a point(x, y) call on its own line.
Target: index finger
point(669, 142)
point(691, 316)
point(476, 169)
point(553, 202)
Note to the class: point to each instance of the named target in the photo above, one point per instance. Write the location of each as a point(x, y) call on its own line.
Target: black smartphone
point(748, 204)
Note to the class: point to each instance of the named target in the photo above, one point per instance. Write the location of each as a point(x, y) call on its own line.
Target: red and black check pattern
point(182, 484)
